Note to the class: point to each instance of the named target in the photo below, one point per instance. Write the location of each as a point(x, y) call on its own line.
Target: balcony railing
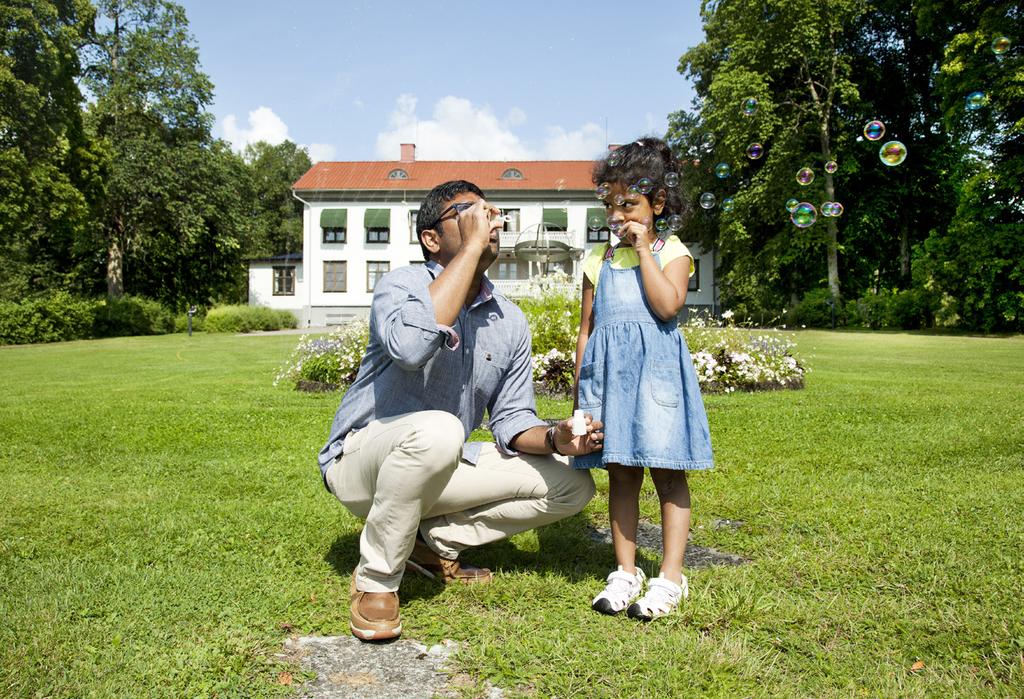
point(508, 239)
point(521, 288)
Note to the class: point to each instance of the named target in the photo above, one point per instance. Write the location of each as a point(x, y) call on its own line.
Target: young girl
point(634, 372)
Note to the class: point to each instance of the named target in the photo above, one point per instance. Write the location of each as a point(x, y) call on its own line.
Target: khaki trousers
point(403, 474)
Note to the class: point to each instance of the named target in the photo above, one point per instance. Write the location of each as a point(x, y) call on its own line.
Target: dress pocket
point(666, 383)
point(592, 385)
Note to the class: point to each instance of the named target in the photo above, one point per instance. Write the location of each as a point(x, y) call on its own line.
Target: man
point(444, 346)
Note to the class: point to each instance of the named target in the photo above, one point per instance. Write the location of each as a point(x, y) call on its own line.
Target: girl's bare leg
point(624, 511)
point(674, 494)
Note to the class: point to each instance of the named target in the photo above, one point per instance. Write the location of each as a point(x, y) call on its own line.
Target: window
point(284, 281)
point(556, 220)
point(413, 217)
point(695, 279)
point(335, 277)
point(512, 224)
point(378, 225)
point(374, 271)
point(507, 269)
point(512, 174)
point(378, 235)
point(597, 225)
point(398, 174)
point(334, 223)
point(334, 235)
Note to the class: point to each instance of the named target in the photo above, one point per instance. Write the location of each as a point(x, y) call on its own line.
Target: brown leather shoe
point(426, 562)
point(373, 616)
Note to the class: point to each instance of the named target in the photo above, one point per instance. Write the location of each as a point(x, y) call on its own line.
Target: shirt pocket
point(489, 368)
point(591, 385)
point(666, 383)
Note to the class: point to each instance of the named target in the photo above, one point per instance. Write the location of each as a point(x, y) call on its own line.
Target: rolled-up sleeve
point(402, 320)
point(512, 409)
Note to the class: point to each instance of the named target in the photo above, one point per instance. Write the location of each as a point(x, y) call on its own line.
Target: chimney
point(408, 152)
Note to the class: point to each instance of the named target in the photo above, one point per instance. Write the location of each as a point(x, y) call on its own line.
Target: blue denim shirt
point(412, 363)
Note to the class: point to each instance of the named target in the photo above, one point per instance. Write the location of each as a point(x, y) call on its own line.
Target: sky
point(463, 80)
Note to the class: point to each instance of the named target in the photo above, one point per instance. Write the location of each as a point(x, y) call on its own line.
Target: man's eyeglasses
point(457, 207)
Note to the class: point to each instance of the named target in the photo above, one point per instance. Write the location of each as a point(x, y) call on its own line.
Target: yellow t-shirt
point(625, 257)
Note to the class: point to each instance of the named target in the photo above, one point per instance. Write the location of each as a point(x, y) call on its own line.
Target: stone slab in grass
point(347, 667)
point(648, 536)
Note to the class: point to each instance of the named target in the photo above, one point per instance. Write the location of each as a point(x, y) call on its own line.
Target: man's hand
point(568, 445)
point(475, 226)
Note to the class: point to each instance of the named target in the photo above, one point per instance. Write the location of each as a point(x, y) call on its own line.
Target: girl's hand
point(638, 235)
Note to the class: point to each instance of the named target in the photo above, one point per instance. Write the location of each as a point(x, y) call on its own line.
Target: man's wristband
point(549, 439)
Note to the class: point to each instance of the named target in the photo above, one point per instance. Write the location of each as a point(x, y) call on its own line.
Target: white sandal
point(622, 589)
point(661, 599)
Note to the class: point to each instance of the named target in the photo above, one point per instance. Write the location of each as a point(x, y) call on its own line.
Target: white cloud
point(321, 151)
point(516, 116)
point(264, 125)
point(358, 103)
point(460, 130)
point(584, 143)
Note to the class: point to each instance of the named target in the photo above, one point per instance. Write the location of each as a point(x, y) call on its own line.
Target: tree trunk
point(115, 266)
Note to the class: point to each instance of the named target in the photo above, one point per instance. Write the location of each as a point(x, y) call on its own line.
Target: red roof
point(553, 175)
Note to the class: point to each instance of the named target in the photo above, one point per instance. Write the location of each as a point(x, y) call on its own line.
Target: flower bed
point(726, 357)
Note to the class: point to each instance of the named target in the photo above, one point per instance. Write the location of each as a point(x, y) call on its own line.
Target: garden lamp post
point(191, 312)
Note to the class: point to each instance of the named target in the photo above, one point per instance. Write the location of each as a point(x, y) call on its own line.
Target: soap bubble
point(614, 159)
point(645, 185)
point(595, 223)
point(976, 100)
point(632, 193)
point(755, 151)
point(874, 130)
point(620, 199)
point(892, 153)
point(722, 170)
point(671, 179)
point(728, 204)
point(804, 215)
point(805, 176)
point(831, 166)
point(749, 106)
point(837, 209)
point(791, 204)
point(708, 141)
point(1000, 45)
point(603, 190)
point(826, 208)
point(661, 225)
point(707, 200)
point(675, 223)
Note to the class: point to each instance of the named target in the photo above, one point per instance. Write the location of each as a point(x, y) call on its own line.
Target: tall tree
point(47, 168)
point(276, 216)
point(787, 57)
point(150, 111)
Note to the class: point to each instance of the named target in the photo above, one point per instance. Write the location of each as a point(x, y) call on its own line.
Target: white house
point(359, 222)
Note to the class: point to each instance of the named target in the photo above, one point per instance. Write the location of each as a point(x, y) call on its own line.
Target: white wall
point(402, 250)
point(261, 286)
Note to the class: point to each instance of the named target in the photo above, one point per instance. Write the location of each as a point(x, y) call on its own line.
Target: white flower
point(727, 315)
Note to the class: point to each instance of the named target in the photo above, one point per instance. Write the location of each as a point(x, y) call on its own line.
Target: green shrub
point(53, 318)
point(813, 310)
point(247, 319)
point(132, 315)
point(554, 321)
point(909, 309)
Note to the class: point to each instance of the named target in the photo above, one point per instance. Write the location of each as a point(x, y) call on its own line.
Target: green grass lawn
point(163, 528)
